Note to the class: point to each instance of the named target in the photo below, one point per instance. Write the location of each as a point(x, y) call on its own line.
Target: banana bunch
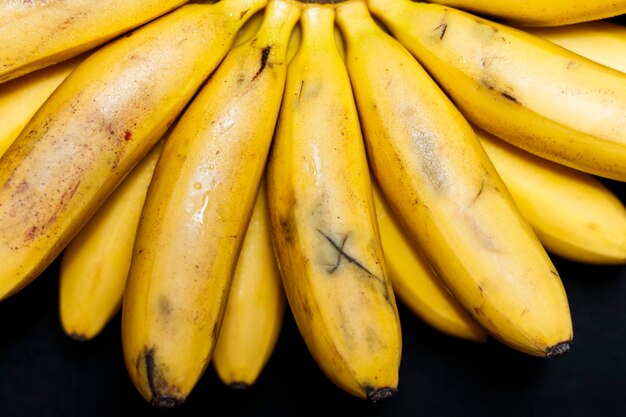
point(200, 167)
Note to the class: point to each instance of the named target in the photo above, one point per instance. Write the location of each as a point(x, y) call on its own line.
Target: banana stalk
point(94, 265)
point(448, 197)
point(64, 29)
point(324, 222)
point(255, 308)
point(196, 214)
point(521, 88)
point(97, 125)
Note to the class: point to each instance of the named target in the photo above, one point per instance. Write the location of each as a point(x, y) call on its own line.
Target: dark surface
point(44, 373)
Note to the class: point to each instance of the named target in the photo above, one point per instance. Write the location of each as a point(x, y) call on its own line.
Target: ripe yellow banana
point(255, 308)
point(323, 221)
point(94, 265)
point(195, 216)
point(415, 282)
point(600, 41)
point(97, 125)
point(21, 98)
point(542, 12)
point(62, 29)
point(574, 215)
point(521, 88)
point(448, 197)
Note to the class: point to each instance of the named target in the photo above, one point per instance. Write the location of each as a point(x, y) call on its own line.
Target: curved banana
point(521, 88)
point(573, 214)
point(415, 282)
point(94, 265)
point(600, 41)
point(255, 308)
point(541, 12)
point(323, 221)
point(21, 98)
point(448, 197)
point(195, 216)
point(62, 29)
point(97, 125)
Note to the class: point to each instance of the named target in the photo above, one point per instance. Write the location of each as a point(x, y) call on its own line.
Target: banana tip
point(378, 394)
point(559, 349)
point(239, 386)
point(78, 337)
point(165, 401)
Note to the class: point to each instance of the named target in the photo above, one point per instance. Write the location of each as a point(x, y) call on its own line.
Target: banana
point(324, 223)
point(521, 88)
point(21, 98)
point(97, 125)
point(196, 214)
point(255, 308)
point(62, 29)
point(574, 215)
point(448, 197)
point(95, 263)
point(541, 12)
point(415, 282)
point(600, 41)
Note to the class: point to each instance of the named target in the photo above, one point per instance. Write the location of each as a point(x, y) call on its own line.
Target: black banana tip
point(559, 349)
point(239, 386)
point(165, 401)
point(78, 337)
point(378, 394)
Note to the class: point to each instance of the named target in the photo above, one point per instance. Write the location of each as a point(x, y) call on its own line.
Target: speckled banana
point(600, 41)
point(448, 197)
point(21, 98)
point(323, 221)
point(416, 284)
point(94, 265)
point(255, 308)
point(97, 125)
point(574, 215)
point(521, 88)
point(196, 214)
point(542, 12)
point(62, 29)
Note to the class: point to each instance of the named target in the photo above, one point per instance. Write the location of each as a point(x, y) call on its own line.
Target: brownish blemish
point(265, 53)
point(128, 135)
point(508, 97)
point(242, 14)
point(165, 307)
point(157, 383)
point(31, 233)
point(442, 30)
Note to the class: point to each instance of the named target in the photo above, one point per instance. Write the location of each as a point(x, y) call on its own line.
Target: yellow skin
point(574, 215)
point(599, 41)
point(521, 88)
point(62, 29)
point(97, 125)
point(196, 214)
point(415, 282)
point(541, 12)
point(255, 308)
point(323, 221)
point(21, 98)
point(94, 265)
point(448, 197)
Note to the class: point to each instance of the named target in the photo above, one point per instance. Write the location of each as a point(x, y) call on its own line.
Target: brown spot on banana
point(441, 30)
point(160, 390)
point(265, 53)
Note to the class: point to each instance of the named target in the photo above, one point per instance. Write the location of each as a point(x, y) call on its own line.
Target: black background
point(44, 373)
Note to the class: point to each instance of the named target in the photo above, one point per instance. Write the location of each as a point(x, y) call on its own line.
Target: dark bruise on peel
point(341, 254)
point(509, 97)
point(155, 382)
point(441, 29)
point(265, 53)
